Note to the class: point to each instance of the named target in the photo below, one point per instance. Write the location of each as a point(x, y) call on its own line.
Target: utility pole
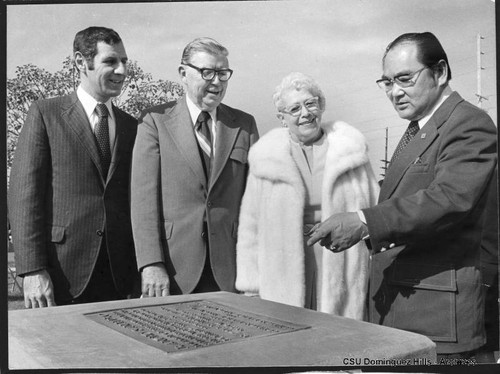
point(479, 95)
point(385, 160)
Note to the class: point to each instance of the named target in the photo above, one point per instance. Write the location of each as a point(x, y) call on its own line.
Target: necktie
point(204, 139)
point(410, 132)
point(101, 133)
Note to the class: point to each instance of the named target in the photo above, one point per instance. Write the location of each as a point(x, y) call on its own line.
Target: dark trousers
point(207, 282)
point(491, 316)
point(101, 286)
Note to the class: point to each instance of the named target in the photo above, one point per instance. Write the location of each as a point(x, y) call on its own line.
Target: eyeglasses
point(311, 105)
point(209, 74)
point(403, 80)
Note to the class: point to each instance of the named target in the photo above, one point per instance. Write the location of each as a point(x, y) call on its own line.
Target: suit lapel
point(76, 119)
point(121, 136)
point(422, 140)
point(227, 131)
point(180, 127)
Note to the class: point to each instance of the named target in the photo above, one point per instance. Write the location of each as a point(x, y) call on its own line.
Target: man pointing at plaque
point(427, 227)
point(189, 172)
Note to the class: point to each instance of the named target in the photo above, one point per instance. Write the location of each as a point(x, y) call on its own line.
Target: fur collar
point(270, 158)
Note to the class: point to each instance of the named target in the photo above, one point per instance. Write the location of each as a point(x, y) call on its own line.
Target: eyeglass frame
point(410, 83)
point(302, 105)
point(215, 71)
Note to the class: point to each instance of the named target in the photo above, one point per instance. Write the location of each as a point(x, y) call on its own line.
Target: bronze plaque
point(190, 325)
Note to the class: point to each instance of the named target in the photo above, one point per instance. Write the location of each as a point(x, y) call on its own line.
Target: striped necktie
point(410, 132)
point(205, 139)
point(101, 133)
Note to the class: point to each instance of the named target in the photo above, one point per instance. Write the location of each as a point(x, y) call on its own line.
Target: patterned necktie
point(410, 132)
point(204, 139)
point(101, 133)
point(204, 132)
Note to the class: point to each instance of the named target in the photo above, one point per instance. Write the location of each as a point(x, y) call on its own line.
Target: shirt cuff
point(362, 218)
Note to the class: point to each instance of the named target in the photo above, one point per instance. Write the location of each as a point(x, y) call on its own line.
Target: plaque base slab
point(67, 337)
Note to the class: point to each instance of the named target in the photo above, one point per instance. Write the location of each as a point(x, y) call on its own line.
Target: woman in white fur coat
point(299, 175)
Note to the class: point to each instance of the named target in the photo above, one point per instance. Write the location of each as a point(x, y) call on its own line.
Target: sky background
point(340, 43)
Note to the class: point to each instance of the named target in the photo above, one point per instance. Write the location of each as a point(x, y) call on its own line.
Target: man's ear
point(441, 71)
point(80, 62)
point(182, 72)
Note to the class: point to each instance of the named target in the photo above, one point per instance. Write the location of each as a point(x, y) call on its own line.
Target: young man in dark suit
point(189, 173)
point(427, 228)
point(69, 185)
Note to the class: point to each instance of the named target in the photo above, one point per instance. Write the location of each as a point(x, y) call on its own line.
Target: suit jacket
point(61, 207)
point(171, 197)
point(431, 206)
point(489, 268)
point(489, 240)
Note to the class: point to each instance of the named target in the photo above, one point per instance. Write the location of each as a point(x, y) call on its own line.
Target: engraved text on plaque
point(190, 325)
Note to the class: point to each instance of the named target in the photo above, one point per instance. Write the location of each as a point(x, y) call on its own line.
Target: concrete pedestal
point(65, 337)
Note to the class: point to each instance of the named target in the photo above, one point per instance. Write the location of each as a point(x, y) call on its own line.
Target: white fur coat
point(270, 247)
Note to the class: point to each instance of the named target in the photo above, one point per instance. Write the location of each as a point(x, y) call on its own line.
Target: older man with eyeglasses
point(427, 228)
point(189, 172)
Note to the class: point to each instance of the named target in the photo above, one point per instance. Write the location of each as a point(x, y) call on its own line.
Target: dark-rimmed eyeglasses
point(403, 80)
point(209, 74)
point(311, 105)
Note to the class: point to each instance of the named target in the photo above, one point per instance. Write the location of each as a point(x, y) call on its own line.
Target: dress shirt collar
point(194, 111)
point(446, 93)
point(89, 103)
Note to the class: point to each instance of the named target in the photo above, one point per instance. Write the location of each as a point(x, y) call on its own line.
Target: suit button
point(203, 234)
point(209, 204)
point(99, 233)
